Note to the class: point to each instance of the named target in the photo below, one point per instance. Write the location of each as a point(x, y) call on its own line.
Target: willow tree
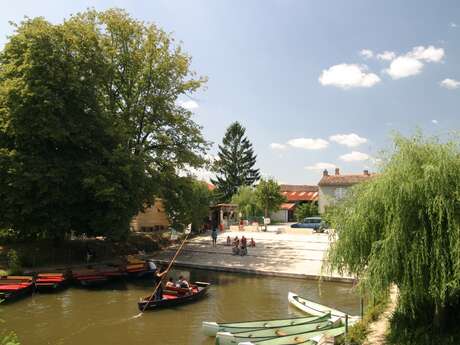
point(403, 227)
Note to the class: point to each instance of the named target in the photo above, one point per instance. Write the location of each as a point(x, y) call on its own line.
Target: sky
point(317, 84)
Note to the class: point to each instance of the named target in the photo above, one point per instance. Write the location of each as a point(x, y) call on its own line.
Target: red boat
point(14, 287)
point(50, 281)
point(89, 277)
point(173, 296)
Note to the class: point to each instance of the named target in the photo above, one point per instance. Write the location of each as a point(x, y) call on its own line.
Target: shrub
point(14, 263)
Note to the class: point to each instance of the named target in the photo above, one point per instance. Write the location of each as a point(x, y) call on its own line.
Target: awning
point(287, 206)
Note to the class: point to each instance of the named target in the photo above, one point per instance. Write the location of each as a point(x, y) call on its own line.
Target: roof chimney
point(337, 171)
point(366, 172)
point(325, 173)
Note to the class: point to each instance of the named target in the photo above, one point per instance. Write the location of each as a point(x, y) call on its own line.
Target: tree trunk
point(439, 317)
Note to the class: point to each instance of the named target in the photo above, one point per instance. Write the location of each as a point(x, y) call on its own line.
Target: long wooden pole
point(166, 272)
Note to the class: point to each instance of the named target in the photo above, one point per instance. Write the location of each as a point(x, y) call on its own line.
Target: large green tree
point(235, 164)
point(268, 196)
point(246, 200)
point(402, 227)
point(90, 122)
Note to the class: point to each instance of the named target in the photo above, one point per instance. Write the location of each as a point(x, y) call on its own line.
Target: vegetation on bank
point(308, 209)
point(91, 124)
point(402, 227)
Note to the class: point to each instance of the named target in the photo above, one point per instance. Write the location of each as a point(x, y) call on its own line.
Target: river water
point(106, 316)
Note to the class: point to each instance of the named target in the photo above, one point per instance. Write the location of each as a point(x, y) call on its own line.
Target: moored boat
point(313, 308)
point(175, 296)
point(45, 282)
point(14, 287)
point(137, 268)
point(89, 277)
point(211, 328)
point(308, 338)
point(226, 338)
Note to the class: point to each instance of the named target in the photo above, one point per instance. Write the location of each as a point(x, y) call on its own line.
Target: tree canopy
point(90, 122)
point(268, 196)
point(402, 227)
point(246, 200)
point(235, 164)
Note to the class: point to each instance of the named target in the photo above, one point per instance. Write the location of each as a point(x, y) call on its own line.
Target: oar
point(164, 275)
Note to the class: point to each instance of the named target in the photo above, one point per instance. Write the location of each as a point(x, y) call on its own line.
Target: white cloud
point(434, 122)
point(350, 140)
point(347, 76)
point(321, 166)
point(453, 25)
point(190, 105)
point(277, 146)
point(450, 84)
point(355, 156)
point(386, 55)
point(308, 143)
point(429, 54)
point(366, 53)
point(404, 66)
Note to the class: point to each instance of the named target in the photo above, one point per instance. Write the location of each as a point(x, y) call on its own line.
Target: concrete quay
point(276, 253)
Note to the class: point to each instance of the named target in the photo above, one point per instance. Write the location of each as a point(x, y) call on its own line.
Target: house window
point(340, 193)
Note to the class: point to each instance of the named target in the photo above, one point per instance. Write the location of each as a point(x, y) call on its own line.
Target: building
point(153, 218)
point(334, 187)
point(295, 195)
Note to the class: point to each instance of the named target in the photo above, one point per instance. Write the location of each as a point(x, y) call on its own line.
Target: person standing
point(158, 277)
point(214, 236)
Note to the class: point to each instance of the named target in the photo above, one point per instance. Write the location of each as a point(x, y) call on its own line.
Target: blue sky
point(316, 83)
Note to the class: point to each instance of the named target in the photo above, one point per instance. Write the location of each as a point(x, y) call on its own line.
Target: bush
point(14, 263)
point(309, 209)
point(9, 338)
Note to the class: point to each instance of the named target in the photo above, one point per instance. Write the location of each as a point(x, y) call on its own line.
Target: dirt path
point(379, 328)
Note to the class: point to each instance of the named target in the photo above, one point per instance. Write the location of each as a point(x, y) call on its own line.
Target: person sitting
point(252, 243)
point(236, 241)
point(229, 241)
point(243, 250)
point(243, 241)
point(182, 283)
point(235, 249)
point(170, 283)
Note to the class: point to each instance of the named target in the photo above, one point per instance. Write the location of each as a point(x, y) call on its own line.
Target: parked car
point(314, 223)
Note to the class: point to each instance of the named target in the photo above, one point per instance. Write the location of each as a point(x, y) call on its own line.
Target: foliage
point(90, 123)
point(187, 201)
point(245, 198)
point(9, 338)
point(14, 263)
point(235, 164)
point(268, 196)
point(308, 209)
point(403, 228)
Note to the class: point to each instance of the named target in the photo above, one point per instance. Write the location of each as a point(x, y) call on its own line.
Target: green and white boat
point(313, 308)
point(211, 328)
point(309, 338)
point(227, 338)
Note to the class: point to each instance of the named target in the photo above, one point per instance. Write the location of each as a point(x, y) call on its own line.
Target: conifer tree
point(235, 166)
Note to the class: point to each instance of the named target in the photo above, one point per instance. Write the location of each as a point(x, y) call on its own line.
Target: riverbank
point(276, 254)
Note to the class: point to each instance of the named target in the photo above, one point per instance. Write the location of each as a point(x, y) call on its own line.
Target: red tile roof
point(298, 188)
point(344, 180)
point(300, 196)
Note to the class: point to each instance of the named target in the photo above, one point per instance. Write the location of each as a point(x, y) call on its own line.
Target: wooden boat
point(14, 287)
point(46, 282)
point(137, 268)
point(313, 308)
point(175, 296)
point(308, 338)
point(226, 338)
point(211, 328)
point(89, 277)
point(111, 271)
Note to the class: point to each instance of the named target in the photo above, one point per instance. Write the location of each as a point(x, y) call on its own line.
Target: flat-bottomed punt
point(323, 324)
point(46, 282)
point(211, 328)
point(14, 287)
point(175, 296)
point(313, 308)
point(309, 338)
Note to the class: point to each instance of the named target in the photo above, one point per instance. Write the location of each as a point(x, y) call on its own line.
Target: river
point(106, 316)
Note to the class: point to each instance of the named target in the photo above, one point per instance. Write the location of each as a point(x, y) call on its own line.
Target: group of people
point(158, 277)
point(240, 247)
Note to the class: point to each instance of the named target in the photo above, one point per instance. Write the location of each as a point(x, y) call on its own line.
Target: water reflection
point(105, 316)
